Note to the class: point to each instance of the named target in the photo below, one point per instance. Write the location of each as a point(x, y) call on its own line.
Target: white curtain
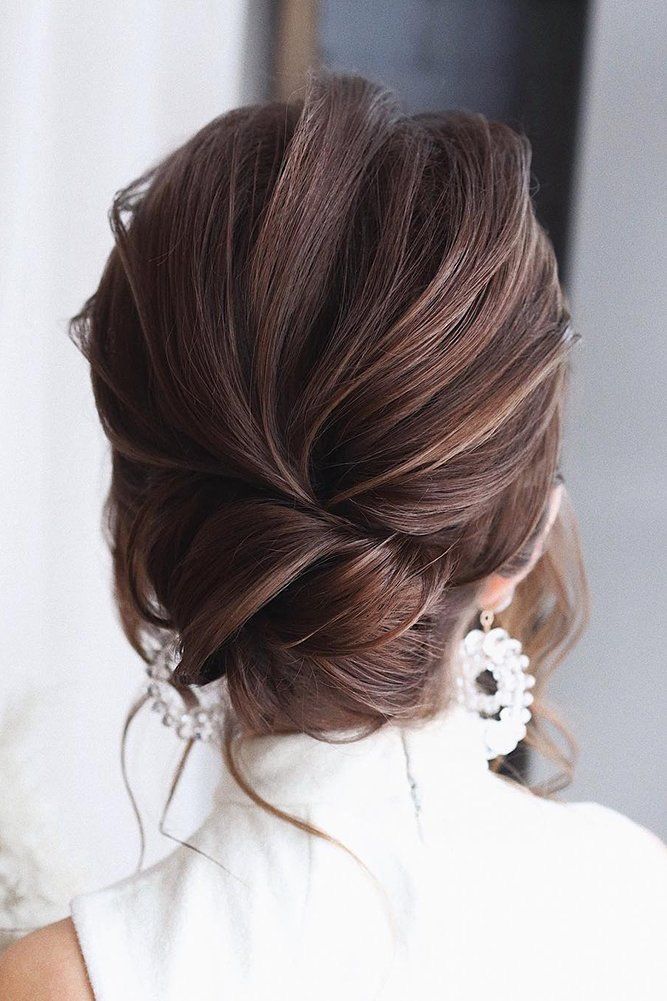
point(91, 94)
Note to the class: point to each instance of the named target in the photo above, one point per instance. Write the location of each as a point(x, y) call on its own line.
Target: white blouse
point(471, 888)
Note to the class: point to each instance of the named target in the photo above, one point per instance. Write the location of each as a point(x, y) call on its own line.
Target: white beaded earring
point(502, 714)
point(193, 713)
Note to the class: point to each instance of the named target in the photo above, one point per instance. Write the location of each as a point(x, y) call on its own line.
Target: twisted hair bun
point(328, 349)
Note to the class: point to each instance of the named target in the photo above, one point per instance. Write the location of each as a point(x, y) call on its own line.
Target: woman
point(330, 351)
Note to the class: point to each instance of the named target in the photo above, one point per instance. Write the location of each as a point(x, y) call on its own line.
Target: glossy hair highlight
point(329, 349)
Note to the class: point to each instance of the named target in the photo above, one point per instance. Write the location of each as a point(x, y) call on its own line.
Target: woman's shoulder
point(621, 869)
point(632, 853)
point(615, 828)
point(588, 838)
point(45, 965)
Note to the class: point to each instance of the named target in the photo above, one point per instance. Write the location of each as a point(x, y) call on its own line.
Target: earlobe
point(497, 593)
point(505, 600)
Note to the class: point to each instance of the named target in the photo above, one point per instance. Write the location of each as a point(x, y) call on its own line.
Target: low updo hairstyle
point(329, 349)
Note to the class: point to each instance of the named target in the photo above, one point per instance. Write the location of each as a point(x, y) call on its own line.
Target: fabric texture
point(471, 887)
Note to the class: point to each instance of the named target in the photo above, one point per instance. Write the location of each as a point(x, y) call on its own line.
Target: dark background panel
point(514, 60)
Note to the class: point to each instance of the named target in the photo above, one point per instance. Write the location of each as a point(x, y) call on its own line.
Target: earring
point(190, 712)
point(503, 713)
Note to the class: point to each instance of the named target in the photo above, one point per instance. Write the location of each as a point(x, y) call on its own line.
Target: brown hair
point(329, 350)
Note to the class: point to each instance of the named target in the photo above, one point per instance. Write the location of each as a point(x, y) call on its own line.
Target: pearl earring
point(496, 652)
point(198, 718)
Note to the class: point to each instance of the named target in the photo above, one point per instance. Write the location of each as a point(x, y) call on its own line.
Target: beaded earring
point(502, 713)
point(193, 713)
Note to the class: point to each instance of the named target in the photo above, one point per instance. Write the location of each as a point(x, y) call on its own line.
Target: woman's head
point(329, 349)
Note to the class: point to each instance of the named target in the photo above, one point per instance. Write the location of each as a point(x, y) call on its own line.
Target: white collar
point(297, 768)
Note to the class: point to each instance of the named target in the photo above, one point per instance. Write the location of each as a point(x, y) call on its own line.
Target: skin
point(47, 965)
point(497, 591)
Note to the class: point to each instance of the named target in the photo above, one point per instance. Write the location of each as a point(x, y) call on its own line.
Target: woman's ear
point(497, 591)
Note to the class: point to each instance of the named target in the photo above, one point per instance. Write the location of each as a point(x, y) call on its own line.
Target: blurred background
point(91, 94)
